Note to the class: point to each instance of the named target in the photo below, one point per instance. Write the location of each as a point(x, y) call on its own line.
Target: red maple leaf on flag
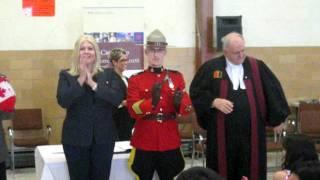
point(2, 92)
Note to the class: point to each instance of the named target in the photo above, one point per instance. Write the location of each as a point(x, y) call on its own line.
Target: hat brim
point(156, 47)
point(149, 43)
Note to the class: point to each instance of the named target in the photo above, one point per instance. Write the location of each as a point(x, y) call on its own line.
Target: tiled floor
point(29, 173)
point(22, 174)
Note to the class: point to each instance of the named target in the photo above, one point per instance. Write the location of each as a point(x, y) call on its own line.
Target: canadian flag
point(7, 95)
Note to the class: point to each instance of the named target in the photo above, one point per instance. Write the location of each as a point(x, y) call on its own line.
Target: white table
point(51, 163)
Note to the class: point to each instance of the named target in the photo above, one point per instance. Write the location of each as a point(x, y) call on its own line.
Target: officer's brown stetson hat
point(156, 40)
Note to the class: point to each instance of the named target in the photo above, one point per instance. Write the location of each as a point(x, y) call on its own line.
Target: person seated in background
point(309, 170)
point(7, 103)
point(124, 123)
point(298, 148)
point(199, 173)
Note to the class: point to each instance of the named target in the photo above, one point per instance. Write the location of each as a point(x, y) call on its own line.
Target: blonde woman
point(88, 93)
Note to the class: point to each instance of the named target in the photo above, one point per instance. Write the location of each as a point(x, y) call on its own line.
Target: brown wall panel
point(34, 75)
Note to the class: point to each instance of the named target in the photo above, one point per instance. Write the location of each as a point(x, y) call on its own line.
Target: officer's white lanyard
point(167, 77)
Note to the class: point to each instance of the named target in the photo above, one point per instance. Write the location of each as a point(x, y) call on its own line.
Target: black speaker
point(225, 25)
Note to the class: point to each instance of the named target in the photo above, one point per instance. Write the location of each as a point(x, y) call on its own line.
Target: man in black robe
point(235, 96)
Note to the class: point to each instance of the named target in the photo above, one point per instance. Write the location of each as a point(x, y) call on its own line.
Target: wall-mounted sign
point(117, 27)
point(131, 42)
point(38, 7)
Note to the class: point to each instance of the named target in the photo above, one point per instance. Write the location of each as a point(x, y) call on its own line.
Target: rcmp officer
point(156, 97)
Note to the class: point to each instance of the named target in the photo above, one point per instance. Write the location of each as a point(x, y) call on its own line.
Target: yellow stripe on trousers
point(130, 162)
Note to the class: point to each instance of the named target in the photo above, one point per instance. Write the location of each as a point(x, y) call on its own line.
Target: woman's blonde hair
point(74, 69)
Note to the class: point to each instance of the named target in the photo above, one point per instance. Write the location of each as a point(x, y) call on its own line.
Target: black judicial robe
point(267, 106)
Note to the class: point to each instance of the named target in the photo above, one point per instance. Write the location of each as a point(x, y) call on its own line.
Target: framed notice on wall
point(38, 7)
point(132, 42)
point(117, 27)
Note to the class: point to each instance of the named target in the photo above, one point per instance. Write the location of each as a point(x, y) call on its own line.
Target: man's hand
point(244, 178)
point(155, 92)
point(280, 128)
point(177, 97)
point(223, 105)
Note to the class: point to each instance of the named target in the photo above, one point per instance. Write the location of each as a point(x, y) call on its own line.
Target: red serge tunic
point(149, 133)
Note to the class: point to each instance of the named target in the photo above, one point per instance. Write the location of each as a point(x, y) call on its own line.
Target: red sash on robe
point(252, 88)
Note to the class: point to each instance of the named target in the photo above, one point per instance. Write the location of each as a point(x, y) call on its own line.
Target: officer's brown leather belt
point(160, 116)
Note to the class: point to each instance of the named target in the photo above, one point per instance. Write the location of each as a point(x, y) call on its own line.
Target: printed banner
point(132, 42)
point(111, 28)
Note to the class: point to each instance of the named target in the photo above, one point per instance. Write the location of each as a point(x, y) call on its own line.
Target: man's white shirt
point(235, 73)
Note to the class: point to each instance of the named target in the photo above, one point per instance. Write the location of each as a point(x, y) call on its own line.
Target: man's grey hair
point(226, 39)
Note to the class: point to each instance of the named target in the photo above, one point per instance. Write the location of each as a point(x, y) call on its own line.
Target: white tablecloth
point(51, 163)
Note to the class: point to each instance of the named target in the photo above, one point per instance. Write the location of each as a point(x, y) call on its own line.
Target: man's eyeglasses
point(154, 51)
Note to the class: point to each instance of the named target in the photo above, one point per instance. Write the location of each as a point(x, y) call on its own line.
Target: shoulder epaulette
point(173, 71)
point(137, 73)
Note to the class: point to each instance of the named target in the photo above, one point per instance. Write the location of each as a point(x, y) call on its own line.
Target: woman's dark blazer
point(89, 113)
point(121, 116)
